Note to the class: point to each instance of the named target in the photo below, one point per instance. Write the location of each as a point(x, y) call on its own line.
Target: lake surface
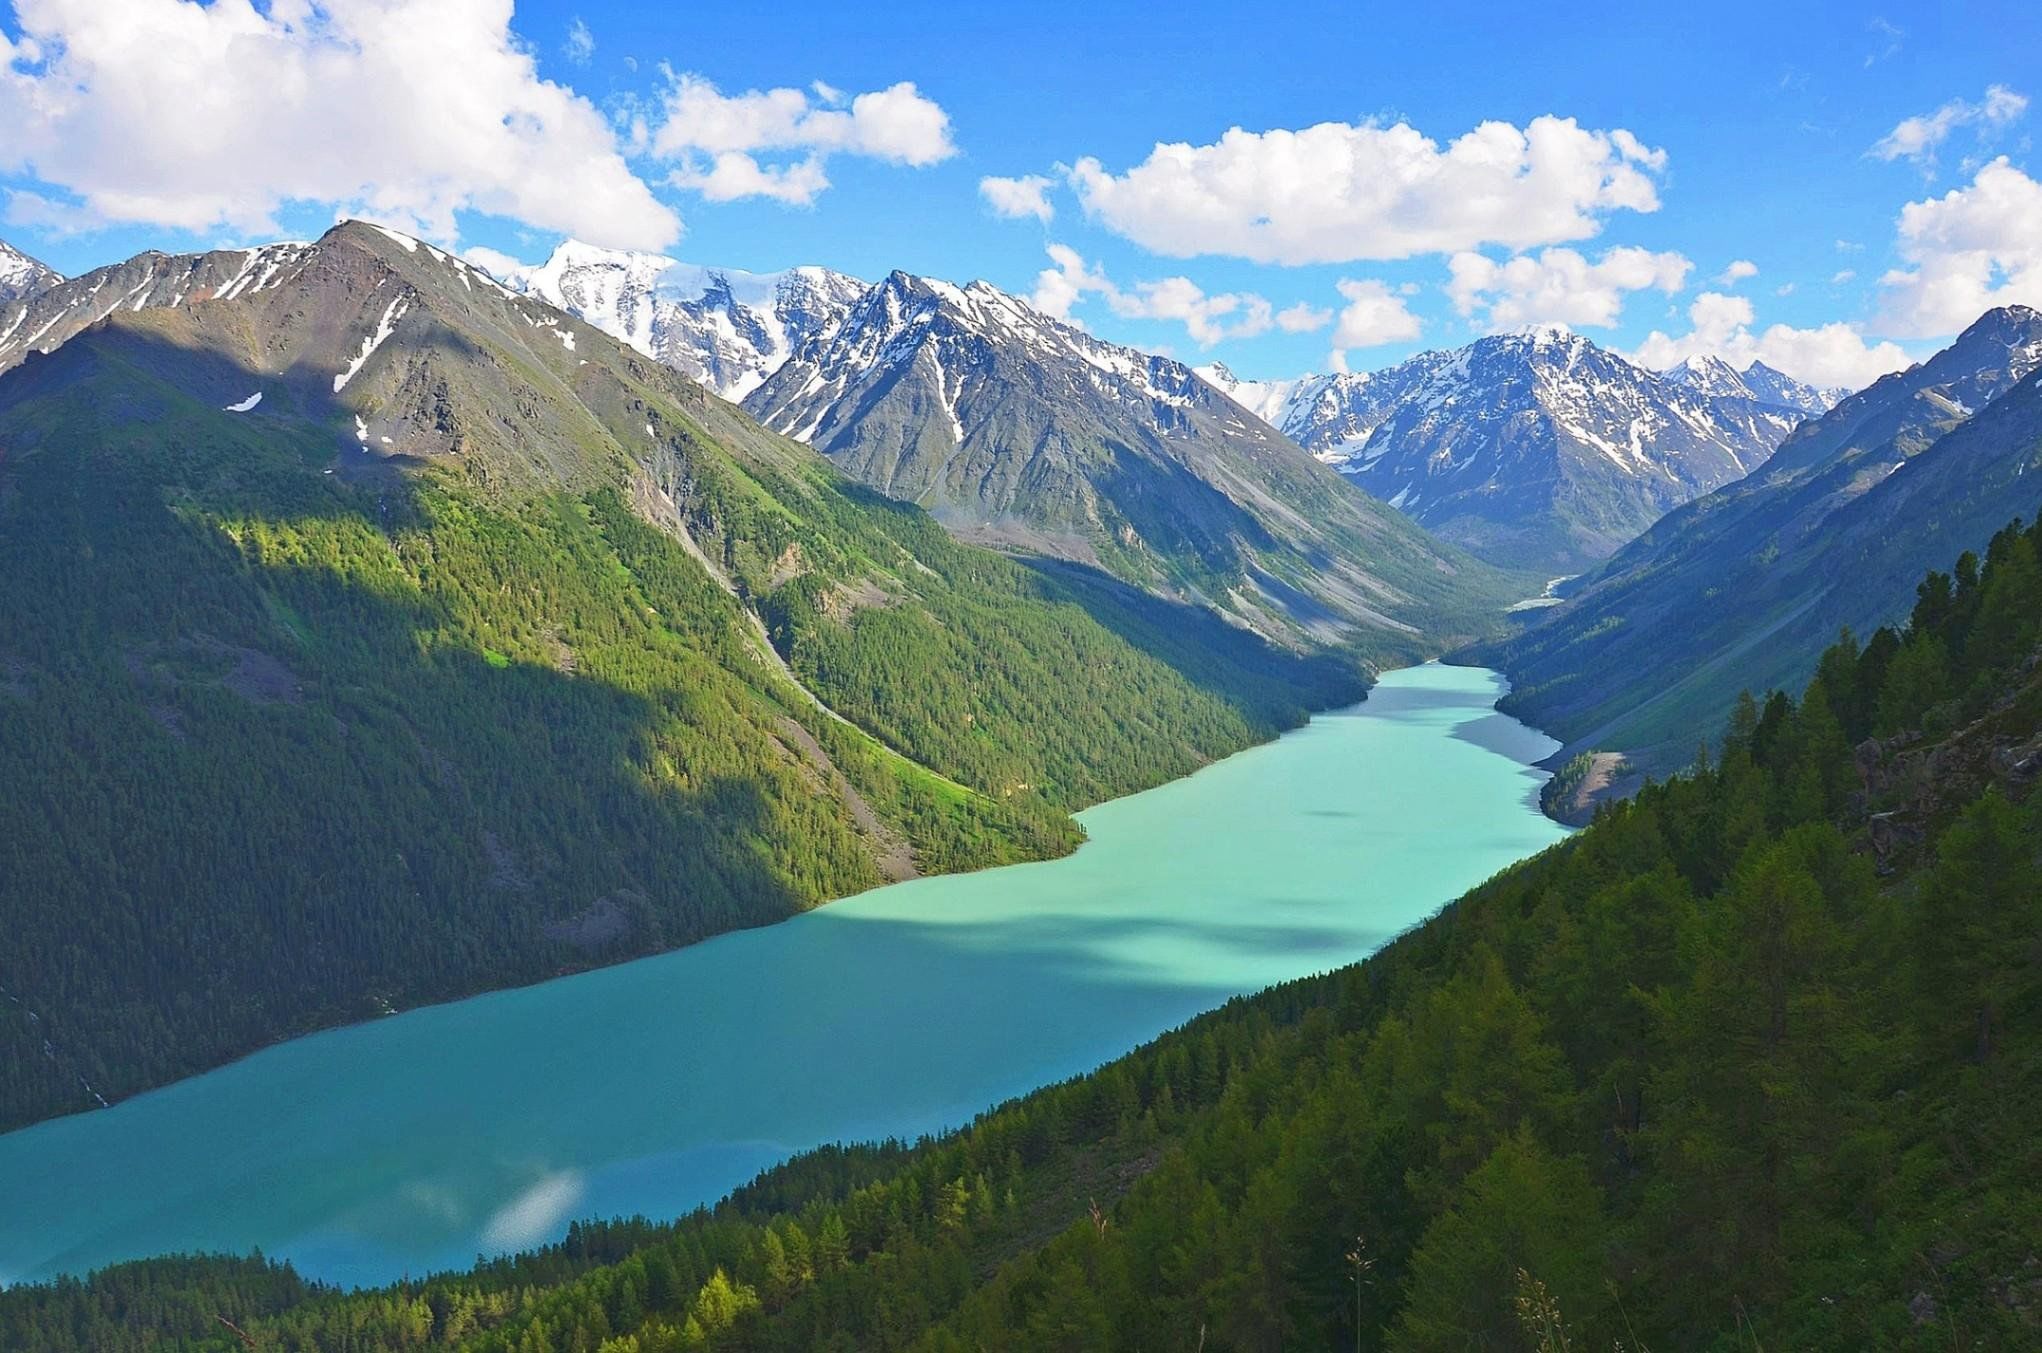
point(418, 1141)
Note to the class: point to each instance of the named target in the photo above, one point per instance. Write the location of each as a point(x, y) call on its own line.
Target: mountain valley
point(307, 574)
point(676, 679)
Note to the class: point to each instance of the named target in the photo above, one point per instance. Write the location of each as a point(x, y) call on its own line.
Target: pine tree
point(1979, 934)
point(1520, 1209)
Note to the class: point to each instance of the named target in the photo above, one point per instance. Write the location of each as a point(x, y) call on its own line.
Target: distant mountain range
point(1537, 449)
point(1756, 384)
point(1018, 430)
point(1744, 587)
point(724, 328)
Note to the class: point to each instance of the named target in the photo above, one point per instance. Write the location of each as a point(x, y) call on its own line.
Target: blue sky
point(1789, 137)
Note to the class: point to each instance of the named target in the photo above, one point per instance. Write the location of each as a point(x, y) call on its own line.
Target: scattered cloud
point(1340, 192)
point(1887, 39)
point(1560, 286)
point(1067, 281)
point(213, 117)
point(1303, 318)
point(1917, 138)
point(581, 44)
point(1018, 197)
point(503, 267)
point(1737, 272)
point(1843, 276)
point(732, 176)
point(1832, 355)
point(716, 141)
point(1373, 315)
point(1209, 319)
point(1971, 249)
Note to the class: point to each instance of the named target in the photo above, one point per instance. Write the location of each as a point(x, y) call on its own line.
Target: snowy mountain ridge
point(1757, 382)
point(21, 277)
point(723, 327)
point(1536, 448)
point(42, 319)
point(1022, 430)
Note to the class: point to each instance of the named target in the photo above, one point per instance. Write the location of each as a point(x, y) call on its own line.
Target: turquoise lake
point(417, 1142)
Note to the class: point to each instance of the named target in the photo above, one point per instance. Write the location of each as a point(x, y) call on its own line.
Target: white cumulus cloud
point(1916, 138)
point(1339, 192)
point(1967, 251)
point(716, 140)
point(1015, 198)
point(1559, 286)
point(1303, 318)
point(1738, 270)
point(1208, 318)
point(1067, 281)
point(1833, 355)
point(1373, 315)
point(206, 117)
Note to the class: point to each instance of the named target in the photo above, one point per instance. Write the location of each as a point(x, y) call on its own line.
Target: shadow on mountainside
point(1273, 687)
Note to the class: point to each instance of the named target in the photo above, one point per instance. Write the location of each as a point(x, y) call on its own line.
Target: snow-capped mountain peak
point(1018, 428)
point(724, 327)
point(1536, 447)
point(1710, 375)
point(22, 277)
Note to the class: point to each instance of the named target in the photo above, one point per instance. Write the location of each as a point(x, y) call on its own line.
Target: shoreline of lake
point(409, 1143)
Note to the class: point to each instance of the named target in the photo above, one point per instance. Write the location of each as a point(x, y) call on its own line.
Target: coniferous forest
point(1750, 1062)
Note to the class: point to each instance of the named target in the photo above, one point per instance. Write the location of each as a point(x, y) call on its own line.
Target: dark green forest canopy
point(1755, 1060)
point(291, 737)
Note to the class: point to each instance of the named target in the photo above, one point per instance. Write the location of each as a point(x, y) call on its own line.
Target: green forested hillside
point(1746, 586)
point(1754, 1061)
point(353, 700)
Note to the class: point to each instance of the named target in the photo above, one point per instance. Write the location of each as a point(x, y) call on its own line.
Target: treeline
point(1752, 1061)
point(281, 749)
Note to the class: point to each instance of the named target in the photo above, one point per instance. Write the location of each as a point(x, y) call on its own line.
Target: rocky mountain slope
point(21, 277)
point(1744, 587)
point(375, 634)
point(721, 327)
point(1537, 450)
point(1017, 429)
point(42, 319)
